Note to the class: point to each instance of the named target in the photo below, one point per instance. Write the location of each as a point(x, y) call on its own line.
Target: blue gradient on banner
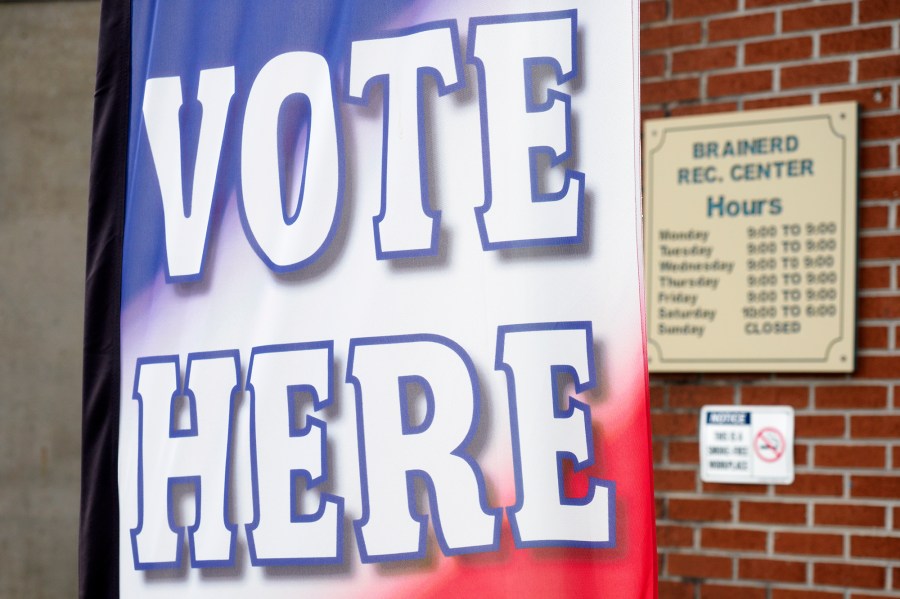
point(181, 39)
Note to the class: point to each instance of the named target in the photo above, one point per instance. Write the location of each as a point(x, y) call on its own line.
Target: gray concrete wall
point(47, 65)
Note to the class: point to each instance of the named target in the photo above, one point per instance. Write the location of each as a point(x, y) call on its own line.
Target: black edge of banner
point(98, 551)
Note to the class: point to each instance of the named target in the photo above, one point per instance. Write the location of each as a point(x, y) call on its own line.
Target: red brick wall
point(834, 533)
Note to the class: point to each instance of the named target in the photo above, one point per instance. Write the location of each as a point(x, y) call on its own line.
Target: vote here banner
point(364, 302)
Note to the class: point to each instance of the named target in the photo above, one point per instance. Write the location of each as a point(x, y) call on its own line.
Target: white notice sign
point(747, 444)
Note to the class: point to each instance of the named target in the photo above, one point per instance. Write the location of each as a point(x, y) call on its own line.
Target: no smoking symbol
point(769, 444)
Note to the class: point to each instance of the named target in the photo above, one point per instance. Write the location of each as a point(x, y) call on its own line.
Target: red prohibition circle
point(770, 439)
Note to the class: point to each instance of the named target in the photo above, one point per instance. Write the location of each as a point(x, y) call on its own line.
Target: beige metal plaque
point(750, 225)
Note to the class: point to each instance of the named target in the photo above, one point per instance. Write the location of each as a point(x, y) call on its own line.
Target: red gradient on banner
point(628, 570)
